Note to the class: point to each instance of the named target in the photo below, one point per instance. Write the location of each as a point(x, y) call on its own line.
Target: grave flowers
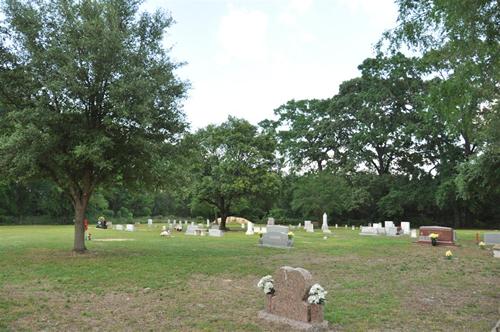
point(449, 254)
point(266, 283)
point(482, 245)
point(434, 237)
point(290, 235)
point(316, 298)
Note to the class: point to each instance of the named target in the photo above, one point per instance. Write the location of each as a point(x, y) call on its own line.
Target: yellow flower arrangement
point(434, 236)
point(449, 254)
point(481, 244)
point(290, 235)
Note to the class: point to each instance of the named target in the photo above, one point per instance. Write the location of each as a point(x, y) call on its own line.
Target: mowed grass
point(188, 283)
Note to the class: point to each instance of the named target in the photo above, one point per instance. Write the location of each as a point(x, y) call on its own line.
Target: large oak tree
point(88, 95)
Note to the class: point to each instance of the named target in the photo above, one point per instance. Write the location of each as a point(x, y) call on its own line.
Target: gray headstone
point(276, 237)
point(492, 238)
point(270, 221)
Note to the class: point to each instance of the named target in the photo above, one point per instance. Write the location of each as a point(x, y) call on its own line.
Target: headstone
point(130, 228)
point(192, 230)
point(263, 230)
point(324, 226)
point(276, 237)
point(388, 224)
point(367, 230)
point(249, 229)
point(289, 303)
point(491, 238)
point(391, 231)
point(192, 223)
point(163, 228)
point(345, 226)
point(208, 223)
point(413, 234)
point(306, 224)
point(270, 221)
point(336, 225)
point(310, 227)
point(242, 226)
point(353, 227)
point(496, 251)
point(377, 225)
point(405, 226)
point(447, 235)
point(150, 222)
point(109, 224)
point(119, 227)
point(257, 229)
point(215, 232)
point(300, 224)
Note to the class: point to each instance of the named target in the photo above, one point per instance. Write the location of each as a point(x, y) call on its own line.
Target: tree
point(88, 97)
point(312, 134)
point(382, 105)
point(232, 162)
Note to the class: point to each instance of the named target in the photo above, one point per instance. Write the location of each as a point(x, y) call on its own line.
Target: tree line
point(92, 124)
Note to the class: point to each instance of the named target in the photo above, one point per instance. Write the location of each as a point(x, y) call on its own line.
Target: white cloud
point(294, 10)
point(380, 11)
point(242, 35)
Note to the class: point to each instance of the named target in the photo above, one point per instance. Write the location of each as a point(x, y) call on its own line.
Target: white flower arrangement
point(266, 284)
point(317, 294)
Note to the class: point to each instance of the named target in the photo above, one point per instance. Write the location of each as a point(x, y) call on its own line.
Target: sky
point(246, 58)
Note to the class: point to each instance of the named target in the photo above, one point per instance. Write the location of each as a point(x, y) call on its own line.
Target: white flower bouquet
point(266, 284)
point(317, 294)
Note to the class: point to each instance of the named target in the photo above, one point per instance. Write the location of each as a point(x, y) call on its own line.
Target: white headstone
point(345, 226)
point(413, 234)
point(192, 230)
point(257, 229)
point(215, 232)
point(368, 230)
point(388, 224)
point(405, 226)
point(310, 228)
point(150, 221)
point(306, 224)
point(324, 226)
point(270, 221)
point(391, 231)
point(249, 228)
point(377, 225)
point(119, 227)
point(353, 227)
point(208, 223)
point(130, 228)
point(336, 225)
point(163, 228)
point(300, 224)
point(192, 223)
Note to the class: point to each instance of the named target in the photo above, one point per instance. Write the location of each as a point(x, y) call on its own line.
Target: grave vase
point(316, 313)
point(433, 241)
point(269, 304)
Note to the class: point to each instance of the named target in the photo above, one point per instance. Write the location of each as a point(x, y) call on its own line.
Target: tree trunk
point(223, 217)
point(80, 208)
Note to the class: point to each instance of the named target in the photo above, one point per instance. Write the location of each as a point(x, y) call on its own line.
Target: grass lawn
point(188, 283)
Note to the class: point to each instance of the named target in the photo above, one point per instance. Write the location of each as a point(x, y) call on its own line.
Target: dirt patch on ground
point(205, 303)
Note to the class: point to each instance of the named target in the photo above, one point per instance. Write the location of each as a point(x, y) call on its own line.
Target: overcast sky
point(246, 58)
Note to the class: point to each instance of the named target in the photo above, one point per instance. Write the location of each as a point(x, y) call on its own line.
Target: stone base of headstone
point(295, 324)
point(496, 251)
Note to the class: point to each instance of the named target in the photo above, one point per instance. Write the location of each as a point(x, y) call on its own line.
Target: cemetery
point(219, 165)
point(137, 275)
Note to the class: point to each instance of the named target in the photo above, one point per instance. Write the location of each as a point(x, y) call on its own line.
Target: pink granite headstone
point(289, 303)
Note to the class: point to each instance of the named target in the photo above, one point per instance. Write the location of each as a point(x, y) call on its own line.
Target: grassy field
point(188, 283)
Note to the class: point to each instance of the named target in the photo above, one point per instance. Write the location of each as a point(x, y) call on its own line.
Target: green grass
point(187, 283)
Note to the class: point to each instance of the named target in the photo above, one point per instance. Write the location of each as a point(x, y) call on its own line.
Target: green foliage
point(93, 98)
point(232, 163)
